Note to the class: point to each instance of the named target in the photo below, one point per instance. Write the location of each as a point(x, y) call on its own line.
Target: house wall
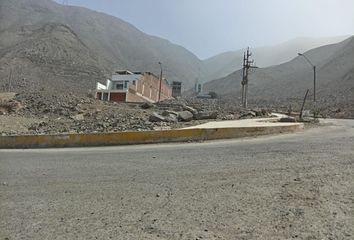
point(118, 96)
point(132, 96)
point(100, 86)
point(143, 89)
point(149, 85)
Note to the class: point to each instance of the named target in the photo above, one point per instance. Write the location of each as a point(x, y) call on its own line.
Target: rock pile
point(58, 114)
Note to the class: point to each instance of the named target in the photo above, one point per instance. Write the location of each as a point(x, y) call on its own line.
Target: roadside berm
point(208, 131)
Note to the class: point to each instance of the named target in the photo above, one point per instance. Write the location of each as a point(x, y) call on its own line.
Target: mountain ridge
point(104, 44)
point(117, 44)
point(225, 63)
point(335, 77)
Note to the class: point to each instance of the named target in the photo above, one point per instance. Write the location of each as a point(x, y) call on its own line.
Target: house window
point(119, 86)
point(126, 84)
point(134, 82)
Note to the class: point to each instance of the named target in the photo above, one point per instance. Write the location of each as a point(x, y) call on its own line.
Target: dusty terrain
point(43, 113)
point(296, 186)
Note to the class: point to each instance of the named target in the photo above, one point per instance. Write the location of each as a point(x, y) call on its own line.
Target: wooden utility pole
point(247, 65)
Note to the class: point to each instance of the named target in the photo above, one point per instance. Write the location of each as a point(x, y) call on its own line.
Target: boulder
point(190, 109)
point(146, 105)
point(257, 111)
point(185, 116)
point(248, 114)
point(171, 118)
point(229, 117)
point(168, 113)
point(206, 115)
point(155, 117)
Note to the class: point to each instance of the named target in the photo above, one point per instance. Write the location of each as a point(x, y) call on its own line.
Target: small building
point(176, 89)
point(198, 88)
point(126, 86)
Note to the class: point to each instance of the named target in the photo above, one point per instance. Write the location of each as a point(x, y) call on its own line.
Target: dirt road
point(296, 186)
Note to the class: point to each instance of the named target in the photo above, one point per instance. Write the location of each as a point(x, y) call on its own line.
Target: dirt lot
point(296, 186)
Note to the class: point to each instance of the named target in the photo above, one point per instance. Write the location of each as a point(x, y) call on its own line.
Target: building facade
point(176, 89)
point(126, 86)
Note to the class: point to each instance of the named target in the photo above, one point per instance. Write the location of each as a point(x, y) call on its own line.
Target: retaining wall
point(125, 138)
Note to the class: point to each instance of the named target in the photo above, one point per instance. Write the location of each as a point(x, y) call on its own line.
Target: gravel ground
point(40, 113)
point(296, 186)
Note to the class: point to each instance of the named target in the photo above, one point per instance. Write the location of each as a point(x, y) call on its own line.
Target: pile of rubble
point(60, 114)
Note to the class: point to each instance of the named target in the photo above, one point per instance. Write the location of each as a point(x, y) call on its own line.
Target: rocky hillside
point(47, 57)
point(335, 77)
point(93, 44)
point(225, 63)
point(56, 48)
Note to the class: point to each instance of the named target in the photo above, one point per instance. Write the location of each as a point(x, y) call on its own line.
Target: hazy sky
point(209, 27)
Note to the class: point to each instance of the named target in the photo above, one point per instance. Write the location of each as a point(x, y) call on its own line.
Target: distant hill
point(225, 63)
point(92, 46)
point(335, 77)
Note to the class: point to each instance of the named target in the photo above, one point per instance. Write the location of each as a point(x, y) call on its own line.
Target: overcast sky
point(209, 27)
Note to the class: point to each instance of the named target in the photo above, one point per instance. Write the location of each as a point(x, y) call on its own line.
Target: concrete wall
point(149, 86)
point(100, 86)
point(124, 138)
point(133, 97)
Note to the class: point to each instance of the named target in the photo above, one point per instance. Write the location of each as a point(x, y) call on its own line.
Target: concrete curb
point(127, 138)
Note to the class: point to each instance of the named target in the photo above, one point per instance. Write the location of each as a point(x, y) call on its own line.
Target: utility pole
point(160, 81)
point(247, 65)
point(314, 74)
point(243, 82)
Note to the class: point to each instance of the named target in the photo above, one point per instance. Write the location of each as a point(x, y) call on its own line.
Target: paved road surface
point(296, 186)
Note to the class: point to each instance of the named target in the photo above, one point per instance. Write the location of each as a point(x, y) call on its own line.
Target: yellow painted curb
point(126, 138)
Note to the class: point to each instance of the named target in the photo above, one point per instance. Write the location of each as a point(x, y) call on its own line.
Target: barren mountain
point(45, 45)
point(335, 77)
point(93, 44)
point(225, 63)
point(47, 57)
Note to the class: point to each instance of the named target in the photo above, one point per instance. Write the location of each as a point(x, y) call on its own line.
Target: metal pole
point(314, 83)
point(160, 81)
